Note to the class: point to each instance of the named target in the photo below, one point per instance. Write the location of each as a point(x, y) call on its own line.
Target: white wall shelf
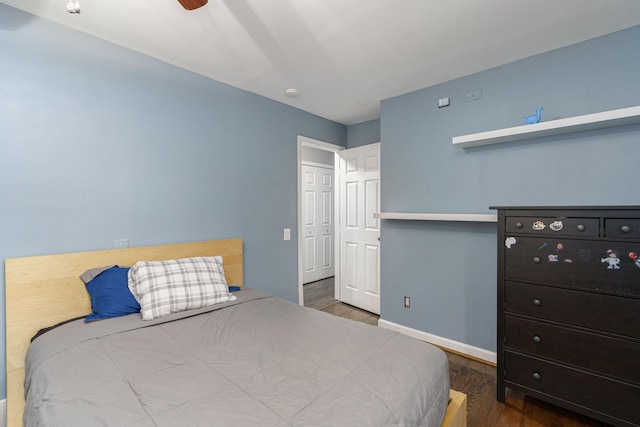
point(437, 217)
point(621, 117)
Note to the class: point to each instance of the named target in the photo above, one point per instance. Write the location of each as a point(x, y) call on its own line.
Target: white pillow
point(164, 287)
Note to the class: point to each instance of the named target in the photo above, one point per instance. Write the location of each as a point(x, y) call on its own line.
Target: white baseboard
point(3, 413)
point(469, 350)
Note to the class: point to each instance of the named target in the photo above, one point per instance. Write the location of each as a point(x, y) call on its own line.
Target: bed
point(255, 360)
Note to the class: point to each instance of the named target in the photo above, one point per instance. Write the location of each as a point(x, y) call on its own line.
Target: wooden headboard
point(44, 290)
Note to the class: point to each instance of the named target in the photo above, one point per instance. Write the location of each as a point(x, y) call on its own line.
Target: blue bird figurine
point(534, 118)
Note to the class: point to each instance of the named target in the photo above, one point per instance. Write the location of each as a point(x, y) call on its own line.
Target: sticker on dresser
point(556, 225)
point(635, 258)
point(509, 241)
point(538, 225)
point(612, 260)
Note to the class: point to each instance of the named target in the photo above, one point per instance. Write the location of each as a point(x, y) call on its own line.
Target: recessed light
point(292, 92)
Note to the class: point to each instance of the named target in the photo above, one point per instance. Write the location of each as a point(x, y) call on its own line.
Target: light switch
point(287, 234)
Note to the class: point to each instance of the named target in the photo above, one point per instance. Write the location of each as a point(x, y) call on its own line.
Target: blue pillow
point(110, 295)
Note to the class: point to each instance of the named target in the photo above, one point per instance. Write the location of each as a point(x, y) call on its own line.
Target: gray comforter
point(257, 361)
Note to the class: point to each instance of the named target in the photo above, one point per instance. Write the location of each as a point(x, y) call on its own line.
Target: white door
point(358, 276)
point(317, 216)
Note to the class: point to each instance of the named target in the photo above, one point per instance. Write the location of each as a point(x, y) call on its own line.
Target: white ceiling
point(344, 56)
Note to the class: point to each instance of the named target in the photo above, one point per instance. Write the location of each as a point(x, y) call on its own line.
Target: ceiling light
point(292, 92)
point(73, 6)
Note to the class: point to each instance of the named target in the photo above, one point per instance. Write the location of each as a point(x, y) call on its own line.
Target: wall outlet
point(407, 302)
point(474, 95)
point(121, 243)
point(287, 234)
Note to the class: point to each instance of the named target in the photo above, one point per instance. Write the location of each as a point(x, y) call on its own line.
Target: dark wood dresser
point(569, 308)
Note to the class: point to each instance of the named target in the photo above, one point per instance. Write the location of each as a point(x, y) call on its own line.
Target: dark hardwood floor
point(476, 379)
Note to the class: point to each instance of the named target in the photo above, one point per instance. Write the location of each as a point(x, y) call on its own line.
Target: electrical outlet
point(407, 302)
point(473, 95)
point(287, 234)
point(121, 243)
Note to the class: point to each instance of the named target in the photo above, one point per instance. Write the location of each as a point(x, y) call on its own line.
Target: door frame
point(304, 141)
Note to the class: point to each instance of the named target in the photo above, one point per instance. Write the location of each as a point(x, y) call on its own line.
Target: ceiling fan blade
point(192, 4)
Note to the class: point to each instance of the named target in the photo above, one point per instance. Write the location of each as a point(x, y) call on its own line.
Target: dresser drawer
point(592, 392)
point(588, 227)
point(611, 356)
point(604, 313)
point(610, 266)
point(622, 228)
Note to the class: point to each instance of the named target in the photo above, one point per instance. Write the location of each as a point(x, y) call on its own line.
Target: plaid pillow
point(163, 287)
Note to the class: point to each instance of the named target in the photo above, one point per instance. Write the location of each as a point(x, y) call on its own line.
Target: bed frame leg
point(456, 414)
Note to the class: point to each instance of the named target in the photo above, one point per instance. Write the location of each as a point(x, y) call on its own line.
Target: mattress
point(256, 361)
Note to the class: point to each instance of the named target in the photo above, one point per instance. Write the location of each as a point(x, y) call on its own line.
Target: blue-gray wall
point(363, 133)
point(449, 269)
point(100, 143)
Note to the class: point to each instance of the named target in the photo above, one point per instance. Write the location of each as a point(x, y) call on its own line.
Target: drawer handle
point(537, 259)
point(625, 229)
point(537, 376)
point(580, 227)
point(537, 302)
point(536, 338)
point(519, 225)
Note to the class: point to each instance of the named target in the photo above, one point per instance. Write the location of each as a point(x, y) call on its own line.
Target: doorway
point(355, 255)
point(316, 247)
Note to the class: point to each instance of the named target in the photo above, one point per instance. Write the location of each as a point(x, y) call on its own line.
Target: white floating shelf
point(437, 217)
point(621, 117)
